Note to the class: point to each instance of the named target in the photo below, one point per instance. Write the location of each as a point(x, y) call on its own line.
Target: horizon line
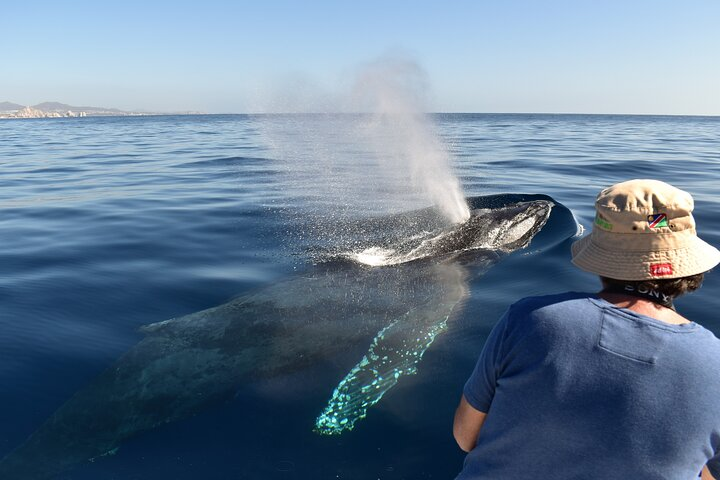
point(462, 113)
point(141, 113)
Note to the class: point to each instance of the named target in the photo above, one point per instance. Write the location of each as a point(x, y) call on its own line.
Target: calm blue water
point(108, 224)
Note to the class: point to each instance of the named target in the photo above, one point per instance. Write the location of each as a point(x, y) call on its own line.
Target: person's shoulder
point(710, 339)
point(555, 301)
point(702, 350)
point(551, 311)
point(553, 315)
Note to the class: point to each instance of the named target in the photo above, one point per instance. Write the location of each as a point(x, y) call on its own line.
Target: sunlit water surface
point(108, 224)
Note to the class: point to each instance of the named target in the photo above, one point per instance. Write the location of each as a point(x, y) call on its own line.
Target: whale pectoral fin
point(394, 352)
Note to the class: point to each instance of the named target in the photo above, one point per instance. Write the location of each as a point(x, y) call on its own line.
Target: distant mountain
point(57, 109)
point(9, 106)
point(63, 107)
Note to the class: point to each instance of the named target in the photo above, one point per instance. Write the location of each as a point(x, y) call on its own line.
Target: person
point(614, 385)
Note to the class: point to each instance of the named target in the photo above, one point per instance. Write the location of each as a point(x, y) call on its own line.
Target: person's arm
point(706, 475)
point(479, 390)
point(467, 424)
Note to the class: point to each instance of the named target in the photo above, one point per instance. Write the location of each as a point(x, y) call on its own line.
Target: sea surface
point(109, 224)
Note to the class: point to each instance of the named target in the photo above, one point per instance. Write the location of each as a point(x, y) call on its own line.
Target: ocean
point(110, 224)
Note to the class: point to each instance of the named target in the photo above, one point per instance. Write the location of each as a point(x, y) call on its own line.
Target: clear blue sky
point(599, 56)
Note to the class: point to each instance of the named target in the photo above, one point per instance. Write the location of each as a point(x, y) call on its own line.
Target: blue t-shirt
point(575, 387)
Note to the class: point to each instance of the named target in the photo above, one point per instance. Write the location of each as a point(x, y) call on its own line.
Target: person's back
point(609, 386)
point(590, 390)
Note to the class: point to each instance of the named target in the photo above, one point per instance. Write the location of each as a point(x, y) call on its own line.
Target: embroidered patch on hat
point(661, 269)
point(602, 223)
point(658, 220)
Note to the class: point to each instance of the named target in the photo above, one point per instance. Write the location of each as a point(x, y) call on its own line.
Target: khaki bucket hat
point(644, 229)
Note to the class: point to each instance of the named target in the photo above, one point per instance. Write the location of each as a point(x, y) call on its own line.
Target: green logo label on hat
point(602, 223)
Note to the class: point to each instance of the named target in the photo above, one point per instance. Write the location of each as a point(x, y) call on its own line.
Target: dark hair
point(672, 287)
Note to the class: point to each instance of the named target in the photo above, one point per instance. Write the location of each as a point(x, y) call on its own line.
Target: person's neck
point(644, 307)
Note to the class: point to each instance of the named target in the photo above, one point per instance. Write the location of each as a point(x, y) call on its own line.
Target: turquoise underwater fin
point(394, 352)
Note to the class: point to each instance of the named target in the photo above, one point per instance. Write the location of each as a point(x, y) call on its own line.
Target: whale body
point(184, 364)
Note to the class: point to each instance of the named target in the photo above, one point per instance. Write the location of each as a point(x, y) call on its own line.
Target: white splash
point(375, 256)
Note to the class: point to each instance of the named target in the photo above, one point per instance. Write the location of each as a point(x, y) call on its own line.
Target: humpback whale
point(184, 364)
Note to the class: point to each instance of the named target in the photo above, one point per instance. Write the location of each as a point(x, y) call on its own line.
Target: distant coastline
point(62, 110)
point(9, 110)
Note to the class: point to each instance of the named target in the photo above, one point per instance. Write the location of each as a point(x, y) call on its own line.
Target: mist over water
point(368, 151)
point(403, 135)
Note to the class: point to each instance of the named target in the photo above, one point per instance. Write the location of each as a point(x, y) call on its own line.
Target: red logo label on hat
point(661, 269)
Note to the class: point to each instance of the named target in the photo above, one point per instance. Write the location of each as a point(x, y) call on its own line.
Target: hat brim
point(696, 257)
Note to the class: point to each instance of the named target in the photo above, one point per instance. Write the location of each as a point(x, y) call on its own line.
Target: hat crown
point(644, 206)
point(645, 196)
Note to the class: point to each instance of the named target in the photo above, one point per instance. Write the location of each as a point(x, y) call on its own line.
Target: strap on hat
point(641, 291)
